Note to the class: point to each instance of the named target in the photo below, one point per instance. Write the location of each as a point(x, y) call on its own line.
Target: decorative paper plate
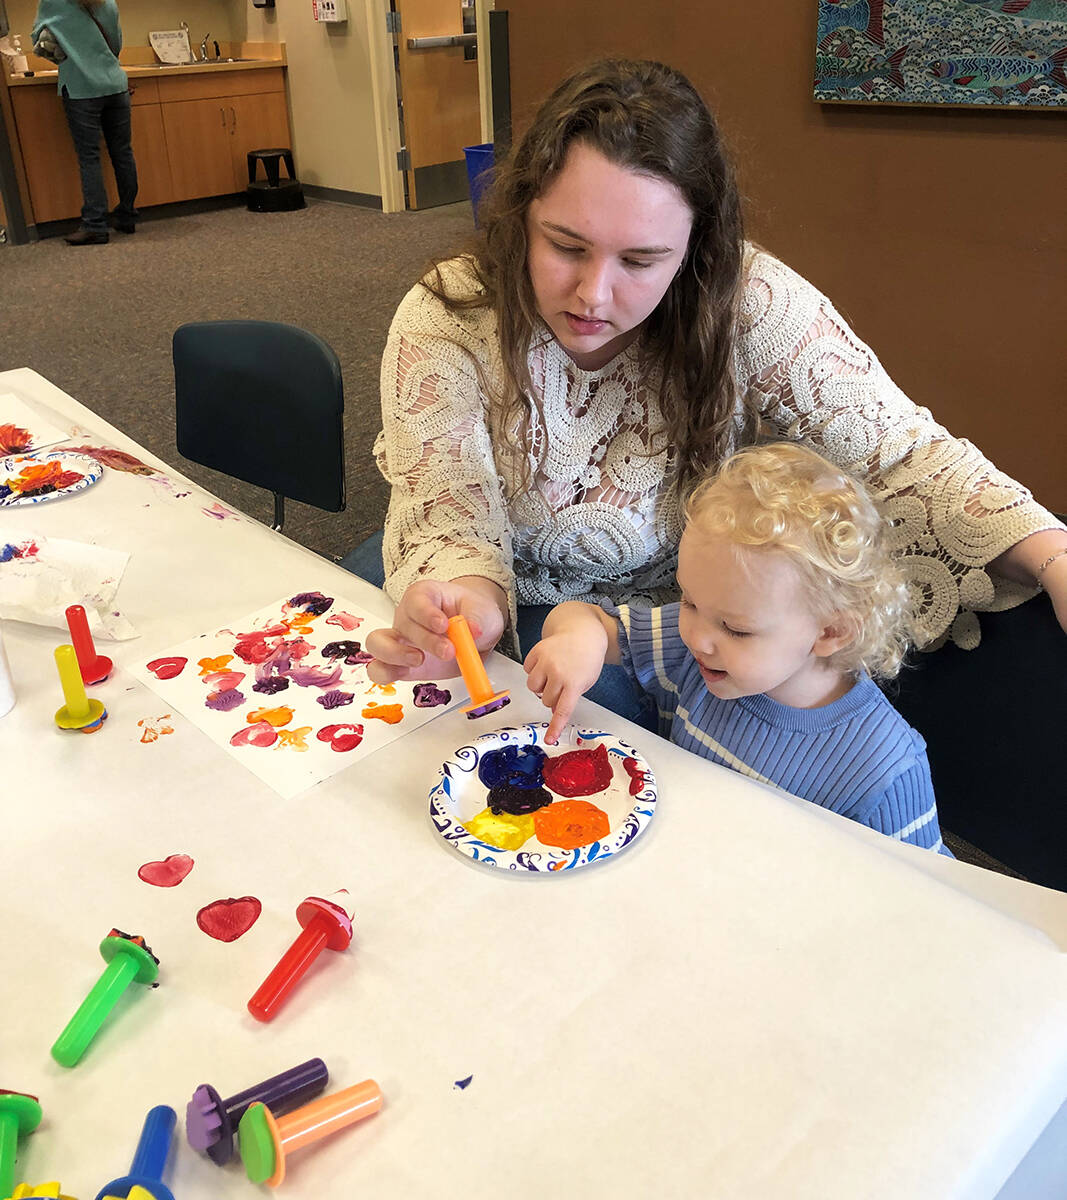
point(508, 800)
point(32, 478)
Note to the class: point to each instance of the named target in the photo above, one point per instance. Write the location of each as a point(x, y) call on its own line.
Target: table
point(758, 999)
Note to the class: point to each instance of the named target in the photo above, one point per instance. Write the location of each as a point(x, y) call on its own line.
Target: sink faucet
point(203, 48)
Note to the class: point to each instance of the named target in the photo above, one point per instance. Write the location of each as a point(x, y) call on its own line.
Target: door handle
point(434, 43)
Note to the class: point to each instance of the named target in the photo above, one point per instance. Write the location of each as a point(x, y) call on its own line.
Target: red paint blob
point(341, 737)
point(637, 775)
point(261, 734)
point(226, 920)
point(168, 873)
point(167, 668)
point(578, 773)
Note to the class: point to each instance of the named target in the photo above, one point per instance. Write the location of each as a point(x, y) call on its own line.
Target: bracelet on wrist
point(1047, 563)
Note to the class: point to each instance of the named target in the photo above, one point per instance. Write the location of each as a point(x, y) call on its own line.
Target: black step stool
point(275, 194)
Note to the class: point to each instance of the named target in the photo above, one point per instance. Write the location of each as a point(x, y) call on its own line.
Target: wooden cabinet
point(208, 140)
point(190, 136)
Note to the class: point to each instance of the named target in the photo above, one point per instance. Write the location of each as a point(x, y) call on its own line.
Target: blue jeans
point(614, 689)
point(88, 119)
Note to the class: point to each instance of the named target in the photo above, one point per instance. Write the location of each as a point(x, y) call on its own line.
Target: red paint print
point(167, 668)
point(117, 460)
point(341, 737)
point(14, 439)
point(226, 920)
point(261, 735)
point(637, 776)
point(578, 773)
point(253, 648)
point(168, 873)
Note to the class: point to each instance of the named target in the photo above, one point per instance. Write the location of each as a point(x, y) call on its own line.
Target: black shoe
point(86, 237)
point(125, 226)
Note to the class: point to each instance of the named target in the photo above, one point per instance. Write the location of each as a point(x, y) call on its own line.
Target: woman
point(84, 38)
point(548, 400)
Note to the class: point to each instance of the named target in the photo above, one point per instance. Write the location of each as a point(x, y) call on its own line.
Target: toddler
point(791, 607)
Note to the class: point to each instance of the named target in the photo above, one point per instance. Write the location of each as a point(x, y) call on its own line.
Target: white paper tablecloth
point(757, 1000)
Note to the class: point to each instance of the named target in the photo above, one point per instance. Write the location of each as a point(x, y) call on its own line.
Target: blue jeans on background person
point(614, 689)
point(88, 119)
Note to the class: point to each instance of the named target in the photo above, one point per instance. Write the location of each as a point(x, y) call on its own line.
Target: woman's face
point(605, 243)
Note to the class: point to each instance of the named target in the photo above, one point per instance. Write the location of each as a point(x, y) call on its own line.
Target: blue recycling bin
point(479, 168)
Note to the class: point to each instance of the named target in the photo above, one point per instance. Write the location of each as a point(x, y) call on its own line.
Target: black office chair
point(264, 402)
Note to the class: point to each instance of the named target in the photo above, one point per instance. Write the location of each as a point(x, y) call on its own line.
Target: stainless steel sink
point(211, 62)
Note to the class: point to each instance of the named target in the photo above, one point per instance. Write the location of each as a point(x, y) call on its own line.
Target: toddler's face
point(748, 625)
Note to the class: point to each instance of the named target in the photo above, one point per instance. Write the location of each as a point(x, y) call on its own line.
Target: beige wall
point(330, 99)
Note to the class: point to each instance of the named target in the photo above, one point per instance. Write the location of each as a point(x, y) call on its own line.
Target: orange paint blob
point(293, 739)
point(209, 665)
point(390, 713)
point(386, 689)
point(570, 824)
point(281, 715)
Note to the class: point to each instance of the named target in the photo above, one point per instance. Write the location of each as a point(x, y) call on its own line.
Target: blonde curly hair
point(785, 497)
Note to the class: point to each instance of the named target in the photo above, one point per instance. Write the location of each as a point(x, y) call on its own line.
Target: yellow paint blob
point(390, 713)
point(505, 831)
point(294, 738)
point(281, 715)
point(386, 689)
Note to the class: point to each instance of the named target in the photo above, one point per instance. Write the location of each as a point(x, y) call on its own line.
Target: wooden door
point(260, 122)
point(439, 102)
point(199, 146)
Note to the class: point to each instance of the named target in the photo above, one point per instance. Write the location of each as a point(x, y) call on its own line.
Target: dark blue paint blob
point(518, 801)
point(519, 766)
point(312, 602)
point(462, 1083)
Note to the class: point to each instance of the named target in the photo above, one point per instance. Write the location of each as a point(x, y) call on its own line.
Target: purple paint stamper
point(210, 1122)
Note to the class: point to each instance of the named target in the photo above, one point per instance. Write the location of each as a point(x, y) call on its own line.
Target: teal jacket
point(91, 67)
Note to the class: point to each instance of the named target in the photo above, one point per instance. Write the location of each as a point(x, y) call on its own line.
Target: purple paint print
point(429, 695)
point(311, 602)
point(335, 699)
point(225, 701)
point(352, 652)
point(270, 685)
point(312, 676)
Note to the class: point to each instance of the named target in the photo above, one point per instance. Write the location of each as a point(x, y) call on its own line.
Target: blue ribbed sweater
point(857, 756)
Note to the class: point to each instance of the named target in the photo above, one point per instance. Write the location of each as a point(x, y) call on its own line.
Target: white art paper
point(286, 692)
point(41, 577)
point(22, 430)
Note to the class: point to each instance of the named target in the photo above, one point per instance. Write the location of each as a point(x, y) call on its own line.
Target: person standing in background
point(84, 38)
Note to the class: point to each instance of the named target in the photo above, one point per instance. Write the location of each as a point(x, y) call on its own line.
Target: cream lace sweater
point(600, 522)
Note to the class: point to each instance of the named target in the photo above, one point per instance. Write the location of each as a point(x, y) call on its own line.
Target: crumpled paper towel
point(40, 577)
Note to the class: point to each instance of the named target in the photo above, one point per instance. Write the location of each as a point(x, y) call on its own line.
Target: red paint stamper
point(325, 925)
point(95, 668)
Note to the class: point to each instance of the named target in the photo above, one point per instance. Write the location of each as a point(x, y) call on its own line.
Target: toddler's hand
point(561, 668)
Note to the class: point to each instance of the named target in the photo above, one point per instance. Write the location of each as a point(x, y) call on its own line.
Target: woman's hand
point(566, 663)
point(417, 645)
point(1038, 559)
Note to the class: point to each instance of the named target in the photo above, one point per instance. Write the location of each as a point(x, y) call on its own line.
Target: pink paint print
point(168, 873)
point(219, 511)
point(341, 737)
point(227, 920)
point(346, 621)
point(260, 735)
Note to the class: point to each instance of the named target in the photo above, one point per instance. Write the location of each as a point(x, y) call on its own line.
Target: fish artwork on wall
point(990, 53)
point(281, 692)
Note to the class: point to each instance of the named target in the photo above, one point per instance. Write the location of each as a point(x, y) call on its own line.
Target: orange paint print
point(281, 715)
point(154, 730)
point(384, 689)
point(391, 714)
point(209, 665)
point(569, 824)
point(293, 739)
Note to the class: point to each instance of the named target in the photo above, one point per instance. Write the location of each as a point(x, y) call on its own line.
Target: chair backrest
point(264, 402)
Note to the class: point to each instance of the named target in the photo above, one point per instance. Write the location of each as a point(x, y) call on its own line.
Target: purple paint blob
point(352, 652)
point(335, 699)
point(224, 701)
point(429, 695)
point(269, 685)
point(312, 676)
point(517, 766)
point(462, 1083)
point(312, 602)
point(517, 800)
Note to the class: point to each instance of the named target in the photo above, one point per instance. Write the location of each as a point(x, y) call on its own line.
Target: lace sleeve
point(446, 513)
point(808, 375)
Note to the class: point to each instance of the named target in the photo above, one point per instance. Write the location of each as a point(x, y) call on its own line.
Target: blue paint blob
point(462, 1083)
point(519, 766)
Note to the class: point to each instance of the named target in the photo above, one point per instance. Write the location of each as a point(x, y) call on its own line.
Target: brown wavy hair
point(649, 118)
